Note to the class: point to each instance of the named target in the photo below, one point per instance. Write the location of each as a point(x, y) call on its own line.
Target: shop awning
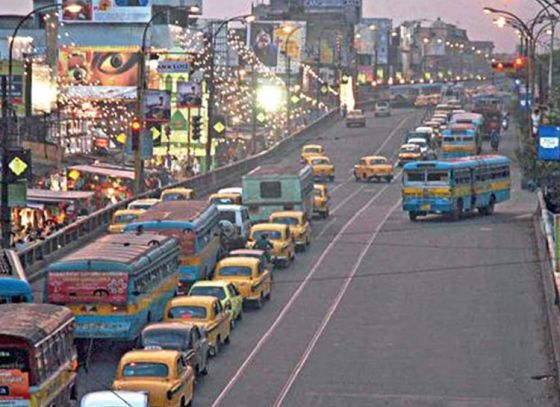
point(42, 196)
point(104, 171)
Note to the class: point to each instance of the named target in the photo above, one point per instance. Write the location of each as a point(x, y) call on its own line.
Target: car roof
point(119, 398)
point(230, 207)
point(179, 189)
point(312, 146)
point(231, 190)
point(197, 300)
point(416, 140)
point(238, 261)
point(172, 326)
point(320, 186)
point(247, 252)
point(409, 145)
point(268, 226)
point(145, 201)
point(129, 212)
point(160, 356)
point(319, 157)
point(210, 283)
point(373, 157)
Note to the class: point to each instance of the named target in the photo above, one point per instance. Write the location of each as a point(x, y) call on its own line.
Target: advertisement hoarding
point(272, 40)
point(94, 287)
point(14, 384)
point(189, 94)
point(320, 5)
point(107, 11)
point(99, 72)
point(156, 105)
point(549, 143)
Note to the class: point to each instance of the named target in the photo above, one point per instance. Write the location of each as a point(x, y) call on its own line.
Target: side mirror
point(228, 306)
point(169, 395)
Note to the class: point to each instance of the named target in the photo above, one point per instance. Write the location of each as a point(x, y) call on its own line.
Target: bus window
point(438, 176)
point(415, 176)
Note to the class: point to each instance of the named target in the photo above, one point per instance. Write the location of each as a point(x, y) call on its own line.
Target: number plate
point(426, 207)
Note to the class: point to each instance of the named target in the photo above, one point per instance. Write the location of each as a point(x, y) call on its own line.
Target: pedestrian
point(196, 167)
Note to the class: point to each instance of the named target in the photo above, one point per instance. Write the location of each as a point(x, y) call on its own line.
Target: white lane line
point(286, 389)
point(235, 378)
point(349, 197)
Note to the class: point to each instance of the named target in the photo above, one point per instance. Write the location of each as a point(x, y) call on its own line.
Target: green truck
point(273, 188)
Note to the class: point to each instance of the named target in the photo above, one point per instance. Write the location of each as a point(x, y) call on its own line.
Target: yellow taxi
point(283, 248)
point(323, 168)
point(207, 313)
point(249, 275)
point(177, 194)
point(408, 153)
point(311, 150)
point(372, 168)
point(299, 226)
point(321, 200)
point(163, 374)
point(123, 217)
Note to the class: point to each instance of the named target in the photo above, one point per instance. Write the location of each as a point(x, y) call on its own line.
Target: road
point(381, 311)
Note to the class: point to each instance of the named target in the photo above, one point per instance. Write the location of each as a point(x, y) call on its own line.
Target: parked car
point(382, 108)
point(185, 338)
point(355, 118)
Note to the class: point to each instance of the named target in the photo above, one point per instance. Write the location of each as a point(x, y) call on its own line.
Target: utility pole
point(254, 84)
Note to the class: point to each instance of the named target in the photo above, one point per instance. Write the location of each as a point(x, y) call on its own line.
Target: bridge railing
point(550, 225)
point(36, 256)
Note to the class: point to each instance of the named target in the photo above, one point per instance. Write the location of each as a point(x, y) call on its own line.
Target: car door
point(264, 279)
point(236, 298)
point(195, 348)
point(222, 320)
point(202, 347)
point(245, 223)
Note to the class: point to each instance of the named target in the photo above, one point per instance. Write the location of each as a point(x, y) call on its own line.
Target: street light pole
point(211, 87)
point(7, 108)
point(290, 31)
point(140, 84)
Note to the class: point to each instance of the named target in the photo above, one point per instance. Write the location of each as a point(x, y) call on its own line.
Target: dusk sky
point(465, 13)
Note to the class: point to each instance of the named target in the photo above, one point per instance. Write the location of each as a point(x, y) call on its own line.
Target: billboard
point(99, 72)
point(330, 4)
point(272, 40)
point(156, 106)
point(549, 143)
point(107, 11)
point(189, 94)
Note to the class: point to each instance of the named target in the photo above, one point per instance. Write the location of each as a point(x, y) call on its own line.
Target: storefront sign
point(172, 67)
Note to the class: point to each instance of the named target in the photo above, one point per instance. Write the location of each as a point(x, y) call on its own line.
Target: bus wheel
point(412, 216)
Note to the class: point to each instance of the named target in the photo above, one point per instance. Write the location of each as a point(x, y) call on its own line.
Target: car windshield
point(141, 206)
point(409, 149)
point(217, 292)
point(174, 196)
point(321, 161)
point(227, 215)
point(145, 369)
point(231, 271)
point(286, 220)
point(419, 143)
point(270, 234)
point(187, 312)
point(164, 339)
point(123, 219)
point(222, 200)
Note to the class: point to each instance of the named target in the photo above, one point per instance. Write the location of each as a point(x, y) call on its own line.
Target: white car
point(424, 147)
point(115, 399)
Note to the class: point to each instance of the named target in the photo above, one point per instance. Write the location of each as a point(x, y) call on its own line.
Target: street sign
point(219, 127)
point(172, 67)
point(19, 165)
point(549, 143)
point(261, 117)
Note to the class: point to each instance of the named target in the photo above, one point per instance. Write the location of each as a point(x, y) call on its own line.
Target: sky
point(465, 13)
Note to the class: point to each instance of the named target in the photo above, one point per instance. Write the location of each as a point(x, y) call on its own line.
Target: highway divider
point(35, 257)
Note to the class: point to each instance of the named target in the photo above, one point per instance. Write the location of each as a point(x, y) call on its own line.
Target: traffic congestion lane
point(439, 313)
point(105, 355)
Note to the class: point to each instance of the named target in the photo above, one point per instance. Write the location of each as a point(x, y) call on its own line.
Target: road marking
point(292, 299)
point(345, 200)
point(285, 390)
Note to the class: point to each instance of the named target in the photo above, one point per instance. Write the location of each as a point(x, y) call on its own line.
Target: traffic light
point(135, 129)
point(196, 127)
point(519, 63)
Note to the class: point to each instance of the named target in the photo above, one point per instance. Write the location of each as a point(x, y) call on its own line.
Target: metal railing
point(36, 256)
point(549, 222)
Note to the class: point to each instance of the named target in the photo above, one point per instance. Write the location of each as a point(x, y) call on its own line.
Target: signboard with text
point(549, 143)
point(94, 287)
point(106, 11)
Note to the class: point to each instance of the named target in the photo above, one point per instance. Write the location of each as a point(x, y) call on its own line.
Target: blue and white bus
point(195, 224)
point(14, 287)
point(116, 285)
point(456, 186)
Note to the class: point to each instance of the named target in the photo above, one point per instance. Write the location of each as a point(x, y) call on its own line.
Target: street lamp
point(246, 18)
point(289, 30)
point(7, 99)
point(138, 163)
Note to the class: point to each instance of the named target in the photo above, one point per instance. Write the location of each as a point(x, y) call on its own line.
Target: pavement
point(381, 311)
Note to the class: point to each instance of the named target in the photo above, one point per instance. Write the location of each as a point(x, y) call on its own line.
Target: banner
point(107, 11)
point(14, 384)
point(99, 72)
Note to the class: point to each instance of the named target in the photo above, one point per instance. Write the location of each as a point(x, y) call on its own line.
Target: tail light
point(119, 308)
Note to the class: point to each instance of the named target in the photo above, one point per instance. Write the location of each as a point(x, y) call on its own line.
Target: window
point(187, 312)
point(217, 292)
point(164, 338)
point(415, 176)
point(227, 215)
point(195, 335)
point(180, 367)
point(244, 215)
point(286, 220)
point(12, 358)
point(438, 176)
point(271, 189)
point(235, 271)
point(145, 369)
point(233, 290)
